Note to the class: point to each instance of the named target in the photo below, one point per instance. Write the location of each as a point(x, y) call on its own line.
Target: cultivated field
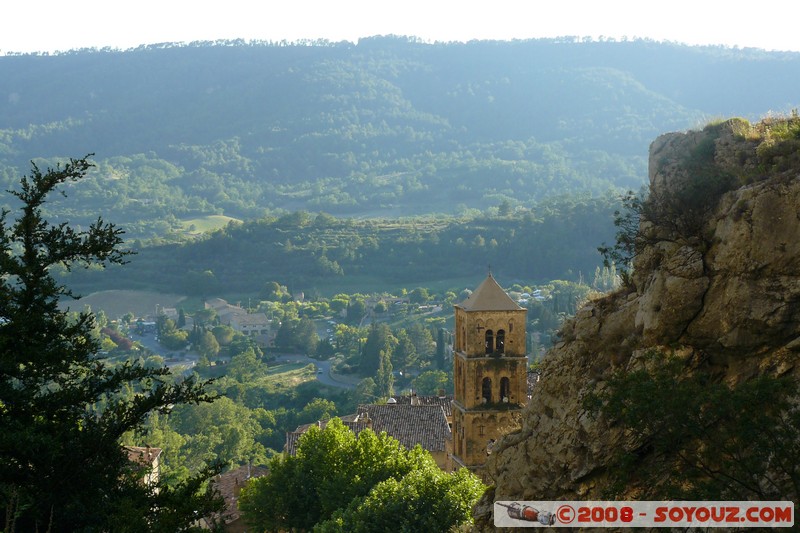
point(116, 303)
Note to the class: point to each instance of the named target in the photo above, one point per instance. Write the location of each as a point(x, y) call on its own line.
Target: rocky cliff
point(715, 283)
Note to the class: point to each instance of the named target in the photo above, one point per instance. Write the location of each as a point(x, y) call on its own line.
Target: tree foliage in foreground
point(62, 466)
point(698, 439)
point(423, 500)
point(335, 472)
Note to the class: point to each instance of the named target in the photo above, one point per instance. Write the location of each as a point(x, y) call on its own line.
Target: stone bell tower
point(490, 373)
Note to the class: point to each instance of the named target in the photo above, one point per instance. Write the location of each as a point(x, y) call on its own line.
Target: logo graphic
point(517, 511)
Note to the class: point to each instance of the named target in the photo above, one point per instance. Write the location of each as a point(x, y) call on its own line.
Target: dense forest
point(321, 254)
point(190, 137)
point(387, 123)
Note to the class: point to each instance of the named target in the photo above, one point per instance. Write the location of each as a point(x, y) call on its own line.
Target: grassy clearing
point(197, 226)
point(282, 376)
point(283, 368)
point(116, 303)
point(292, 377)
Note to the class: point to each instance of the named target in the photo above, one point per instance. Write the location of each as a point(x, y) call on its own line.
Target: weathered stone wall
point(475, 325)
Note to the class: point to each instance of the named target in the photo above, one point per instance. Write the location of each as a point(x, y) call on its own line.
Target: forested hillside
point(387, 127)
point(189, 136)
point(557, 241)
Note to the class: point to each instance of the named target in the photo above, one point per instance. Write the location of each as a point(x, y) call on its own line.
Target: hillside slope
point(718, 296)
point(386, 127)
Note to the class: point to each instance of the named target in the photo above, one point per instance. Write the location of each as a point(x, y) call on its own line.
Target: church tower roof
point(489, 296)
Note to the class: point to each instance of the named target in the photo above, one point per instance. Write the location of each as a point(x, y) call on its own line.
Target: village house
point(413, 420)
point(251, 324)
point(254, 324)
point(229, 484)
point(412, 424)
point(148, 459)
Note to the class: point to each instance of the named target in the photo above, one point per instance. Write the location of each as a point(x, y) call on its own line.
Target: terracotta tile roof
point(489, 296)
point(425, 425)
point(229, 484)
point(445, 401)
point(410, 424)
point(143, 455)
point(292, 438)
point(254, 319)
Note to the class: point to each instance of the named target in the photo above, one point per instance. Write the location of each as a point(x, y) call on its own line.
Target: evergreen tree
point(365, 391)
point(378, 340)
point(63, 410)
point(405, 355)
point(384, 379)
point(207, 345)
point(285, 338)
point(422, 339)
point(441, 342)
point(355, 311)
point(306, 337)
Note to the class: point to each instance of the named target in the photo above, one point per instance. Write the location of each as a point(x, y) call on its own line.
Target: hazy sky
point(50, 25)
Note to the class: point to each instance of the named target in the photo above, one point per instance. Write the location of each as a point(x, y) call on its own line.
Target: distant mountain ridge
point(385, 127)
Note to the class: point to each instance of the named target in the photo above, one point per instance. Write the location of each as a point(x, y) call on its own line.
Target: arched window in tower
point(500, 341)
point(505, 389)
point(489, 341)
point(486, 390)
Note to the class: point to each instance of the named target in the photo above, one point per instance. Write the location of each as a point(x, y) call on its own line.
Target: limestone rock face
point(730, 293)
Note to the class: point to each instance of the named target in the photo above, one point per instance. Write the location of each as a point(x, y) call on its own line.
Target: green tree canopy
point(348, 339)
point(384, 378)
point(427, 500)
point(316, 409)
point(419, 295)
point(422, 339)
point(246, 366)
point(405, 354)
point(441, 345)
point(356, 310)
point(365, 391)
point(431, 382)
point(379, 339)
point(222, 431)
point(333, 468)
point(224, 334)
point(306, 336)
point(274, 292)
point(207, 345)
